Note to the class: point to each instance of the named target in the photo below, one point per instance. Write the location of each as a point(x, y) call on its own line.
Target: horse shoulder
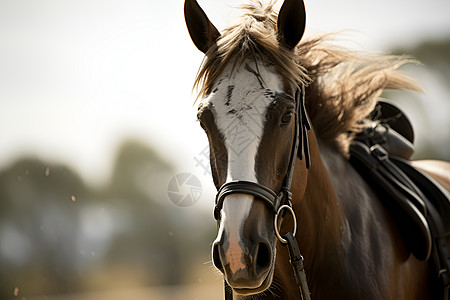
point(366, 233)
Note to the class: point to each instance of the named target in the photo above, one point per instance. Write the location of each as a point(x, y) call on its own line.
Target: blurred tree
point(428, 111)
point(435, 54)
point(60, 235)
point(38, 208)
point(132, 191)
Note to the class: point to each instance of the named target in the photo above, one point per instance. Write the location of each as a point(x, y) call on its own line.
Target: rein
point(280, 201)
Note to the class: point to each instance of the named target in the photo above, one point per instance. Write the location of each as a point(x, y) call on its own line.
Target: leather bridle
point(281, 200)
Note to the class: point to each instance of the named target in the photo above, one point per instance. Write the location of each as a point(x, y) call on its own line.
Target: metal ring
point(277, 232)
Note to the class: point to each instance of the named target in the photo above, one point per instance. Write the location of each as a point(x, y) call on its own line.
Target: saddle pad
point(438, 204)
point(408, 210)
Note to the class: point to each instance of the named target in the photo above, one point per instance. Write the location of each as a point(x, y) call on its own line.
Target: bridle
point(271, 198)
point(281, 201)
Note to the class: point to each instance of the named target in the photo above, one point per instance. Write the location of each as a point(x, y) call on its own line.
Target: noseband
point(281, 200)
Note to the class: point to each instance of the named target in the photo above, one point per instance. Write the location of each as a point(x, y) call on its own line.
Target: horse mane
point(342, 85)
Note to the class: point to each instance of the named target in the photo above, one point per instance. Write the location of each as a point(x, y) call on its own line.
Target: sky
point(79, 76)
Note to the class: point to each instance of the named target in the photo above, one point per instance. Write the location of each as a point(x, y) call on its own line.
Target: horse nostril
point(263, 257)
point(216, 256)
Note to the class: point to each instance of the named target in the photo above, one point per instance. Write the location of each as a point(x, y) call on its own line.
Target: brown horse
point(248, 84)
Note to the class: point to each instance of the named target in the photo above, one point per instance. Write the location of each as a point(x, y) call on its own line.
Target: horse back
point(436, 169)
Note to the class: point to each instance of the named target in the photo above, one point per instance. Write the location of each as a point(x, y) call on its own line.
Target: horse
point(280, 112)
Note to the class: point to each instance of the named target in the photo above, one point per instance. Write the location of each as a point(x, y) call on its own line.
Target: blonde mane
point(342, 86)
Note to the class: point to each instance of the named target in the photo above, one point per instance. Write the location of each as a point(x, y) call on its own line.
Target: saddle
point(418, 204)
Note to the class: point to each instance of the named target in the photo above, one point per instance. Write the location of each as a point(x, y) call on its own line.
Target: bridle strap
point(300, 137)
point(305, 126)
point(248, 188)
point(296, 260)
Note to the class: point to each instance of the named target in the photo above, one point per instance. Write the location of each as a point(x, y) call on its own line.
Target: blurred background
point(105, 188)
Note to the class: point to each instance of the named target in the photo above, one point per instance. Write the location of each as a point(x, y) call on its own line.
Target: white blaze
point(240, 117)
point(240, 103)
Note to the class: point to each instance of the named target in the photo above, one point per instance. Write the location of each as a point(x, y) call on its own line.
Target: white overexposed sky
point(79, 76)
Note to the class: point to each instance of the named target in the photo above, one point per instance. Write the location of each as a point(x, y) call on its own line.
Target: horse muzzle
point(244, 248)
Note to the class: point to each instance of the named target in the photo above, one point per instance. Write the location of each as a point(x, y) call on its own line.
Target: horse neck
point(321, 223)
point(319, 212)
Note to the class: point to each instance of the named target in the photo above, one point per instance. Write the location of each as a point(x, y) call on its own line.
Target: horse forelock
point(254, 37)
point(342, 85)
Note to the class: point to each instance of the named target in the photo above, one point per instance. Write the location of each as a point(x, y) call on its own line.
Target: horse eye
point(286, 118)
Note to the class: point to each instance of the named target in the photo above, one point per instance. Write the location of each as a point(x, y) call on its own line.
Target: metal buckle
point(275, 222)
point(443, 275)
point(379, 152)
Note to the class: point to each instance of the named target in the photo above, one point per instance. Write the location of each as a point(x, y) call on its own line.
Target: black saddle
point(418, 204)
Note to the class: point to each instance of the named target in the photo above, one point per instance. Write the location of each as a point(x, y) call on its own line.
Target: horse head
point(250, 111)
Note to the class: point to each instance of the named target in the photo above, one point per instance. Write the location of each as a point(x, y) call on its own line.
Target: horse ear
point(202, 31)
point(291, 23)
